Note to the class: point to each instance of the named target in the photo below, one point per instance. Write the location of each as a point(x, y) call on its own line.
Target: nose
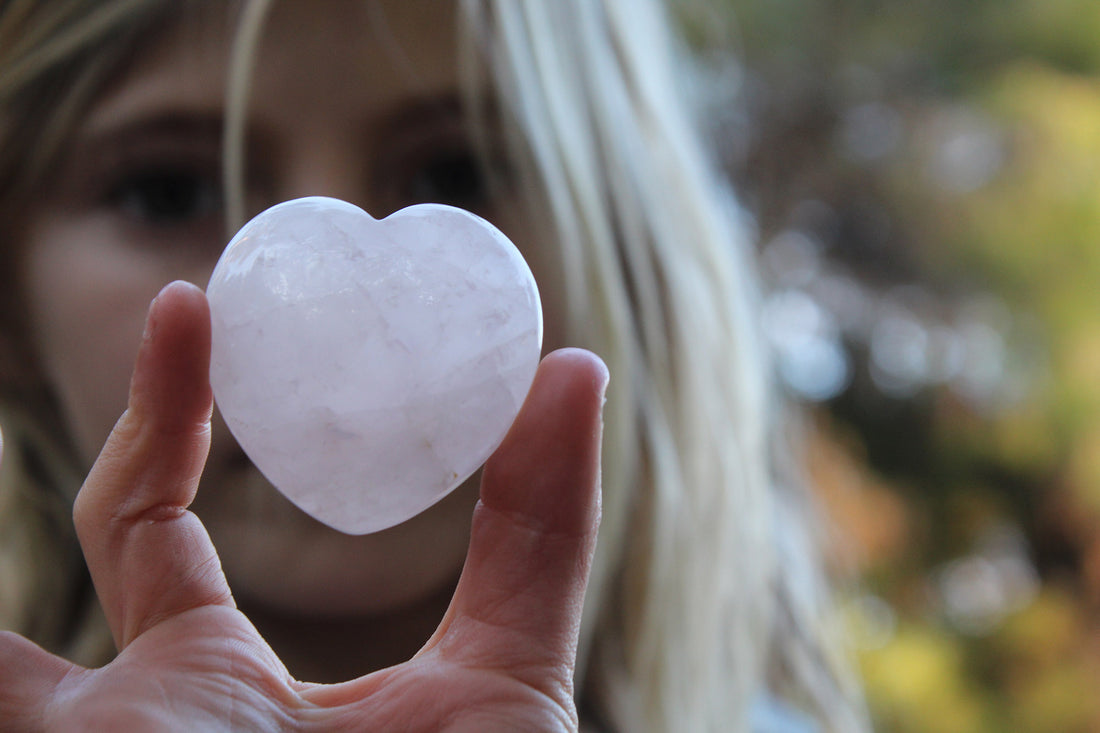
point(327, 166)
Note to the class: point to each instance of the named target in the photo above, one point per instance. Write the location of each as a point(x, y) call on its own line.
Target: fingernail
point(150, 321)
point(605, 379)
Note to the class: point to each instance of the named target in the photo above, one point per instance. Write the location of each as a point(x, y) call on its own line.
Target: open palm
point(501, 659)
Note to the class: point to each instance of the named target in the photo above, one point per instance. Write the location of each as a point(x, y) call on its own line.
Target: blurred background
point(925, 181)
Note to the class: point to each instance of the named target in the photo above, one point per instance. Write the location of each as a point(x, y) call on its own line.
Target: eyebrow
point(103, 145)
point(424, 109)
point(209, 122)
point(106, 141)
point(166, 123)
point(422, 113)
point(204, 124)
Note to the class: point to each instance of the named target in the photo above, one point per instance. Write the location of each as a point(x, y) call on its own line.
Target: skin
point(368, 131)
point(501, 659)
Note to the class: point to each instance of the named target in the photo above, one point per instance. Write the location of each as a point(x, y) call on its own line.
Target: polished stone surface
point(368, 367)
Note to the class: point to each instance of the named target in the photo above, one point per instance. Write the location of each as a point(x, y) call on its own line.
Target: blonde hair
point(697, 604)
point(54, 58)
point(691, 607)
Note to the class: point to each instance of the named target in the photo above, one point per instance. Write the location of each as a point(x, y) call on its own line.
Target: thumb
point(29, 678)
point(517, 607)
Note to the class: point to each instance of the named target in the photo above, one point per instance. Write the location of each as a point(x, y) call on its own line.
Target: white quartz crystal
point(368, 367)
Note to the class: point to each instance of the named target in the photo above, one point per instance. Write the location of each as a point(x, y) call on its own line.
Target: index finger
point(150, 557)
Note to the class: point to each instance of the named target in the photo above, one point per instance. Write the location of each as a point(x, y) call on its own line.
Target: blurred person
point(135, 135)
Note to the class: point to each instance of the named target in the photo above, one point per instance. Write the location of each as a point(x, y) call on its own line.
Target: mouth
point(233, 489)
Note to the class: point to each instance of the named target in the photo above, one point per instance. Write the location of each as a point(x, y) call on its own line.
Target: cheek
point(88, 299)
point(545, 264)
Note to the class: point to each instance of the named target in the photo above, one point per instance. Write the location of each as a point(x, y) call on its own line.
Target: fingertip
point(547, 468)
point(176, 300)
point(172, 367)
point(582, 363)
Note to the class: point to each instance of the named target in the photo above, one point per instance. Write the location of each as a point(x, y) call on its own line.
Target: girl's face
point(349, 100)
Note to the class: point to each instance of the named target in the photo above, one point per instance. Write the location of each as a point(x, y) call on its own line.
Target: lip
point(235, 497)
point(233, 490)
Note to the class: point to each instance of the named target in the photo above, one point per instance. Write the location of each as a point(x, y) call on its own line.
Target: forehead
point(332, 59)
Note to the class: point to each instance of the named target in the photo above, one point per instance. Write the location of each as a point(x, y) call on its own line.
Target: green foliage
point(955, 145)
point(920, 671)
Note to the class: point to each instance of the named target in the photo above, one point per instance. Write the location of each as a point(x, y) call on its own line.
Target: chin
point(280, 558)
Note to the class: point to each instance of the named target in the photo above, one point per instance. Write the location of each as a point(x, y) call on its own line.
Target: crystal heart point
point(368, 367)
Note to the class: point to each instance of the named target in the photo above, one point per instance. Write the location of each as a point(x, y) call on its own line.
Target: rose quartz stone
point(368, 367)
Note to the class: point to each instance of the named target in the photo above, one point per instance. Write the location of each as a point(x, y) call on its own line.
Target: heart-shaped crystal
point(368, 367)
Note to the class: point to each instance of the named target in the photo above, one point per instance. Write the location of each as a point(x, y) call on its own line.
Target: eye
point(167, 196)
point(452, 177)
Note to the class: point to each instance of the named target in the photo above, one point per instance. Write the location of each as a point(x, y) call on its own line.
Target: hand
point(501, 659)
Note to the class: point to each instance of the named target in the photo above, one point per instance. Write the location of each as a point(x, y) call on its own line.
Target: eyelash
point(449, 176)
point(169, 194)
point(166, 195)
